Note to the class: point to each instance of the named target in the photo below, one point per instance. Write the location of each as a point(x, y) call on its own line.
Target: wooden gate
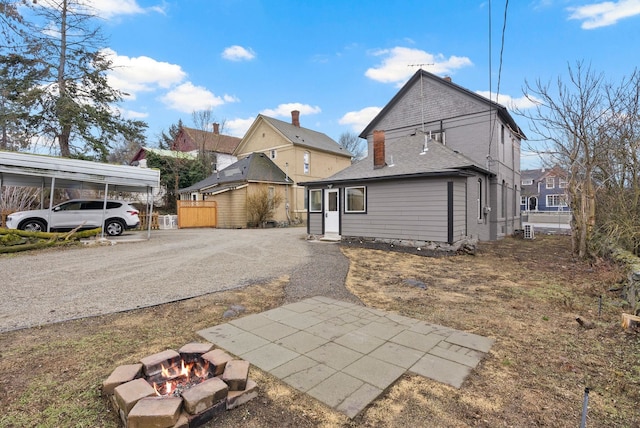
point(197, 214)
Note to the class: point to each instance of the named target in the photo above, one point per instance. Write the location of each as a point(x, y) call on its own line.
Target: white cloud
point(400, 63)
point(521, 103)
point(134, 115)
point(284, 110)
point(142, 74)
point(111, 8)
point(238, 53)
point(230, 98)
point(603, 14)
point(188, 98)
point(359, 119)
point(106, 9)
point(238, 127)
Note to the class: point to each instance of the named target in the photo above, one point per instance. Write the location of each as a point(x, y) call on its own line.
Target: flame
point(185, 370)
point(174, 376)
point(165, 371)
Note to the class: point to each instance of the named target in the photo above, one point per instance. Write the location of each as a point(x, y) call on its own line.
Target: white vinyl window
point(306, 162)
point(550, 182)
point(355, 199)
point(523, 200)
point(556, 200)
point(315, 198)
point(562, 183)
point(528, 182)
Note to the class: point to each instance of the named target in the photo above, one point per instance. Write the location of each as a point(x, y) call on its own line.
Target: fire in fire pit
point(173, 380)
point(182, 389)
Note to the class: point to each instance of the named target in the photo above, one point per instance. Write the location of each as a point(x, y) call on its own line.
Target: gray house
point(443, 167)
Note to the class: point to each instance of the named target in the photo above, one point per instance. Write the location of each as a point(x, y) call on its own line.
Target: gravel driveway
point(62, 284)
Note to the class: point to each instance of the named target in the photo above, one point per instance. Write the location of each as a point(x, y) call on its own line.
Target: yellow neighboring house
point(303, 154)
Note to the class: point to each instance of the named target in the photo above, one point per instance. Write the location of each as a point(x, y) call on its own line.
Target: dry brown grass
point(525, 294)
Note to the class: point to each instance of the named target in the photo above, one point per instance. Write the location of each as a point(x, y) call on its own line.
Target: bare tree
point(207, 141)
point(262, 203)
point(571, 117)
point(618, 200)
point(353, 144)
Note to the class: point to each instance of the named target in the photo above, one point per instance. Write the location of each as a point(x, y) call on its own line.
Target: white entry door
point(331, 212)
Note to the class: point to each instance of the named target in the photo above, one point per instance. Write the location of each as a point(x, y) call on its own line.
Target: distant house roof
point(539, 174)
point(304, 137)
point(213, 141)
point(406, 157)
point(142, 153)
point(502, 110)
point(256, 167)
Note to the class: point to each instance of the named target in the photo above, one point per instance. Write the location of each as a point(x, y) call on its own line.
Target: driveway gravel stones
point(52, 286)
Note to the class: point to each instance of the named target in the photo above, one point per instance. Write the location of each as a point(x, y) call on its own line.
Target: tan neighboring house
point(232, 187)
point(303, 154)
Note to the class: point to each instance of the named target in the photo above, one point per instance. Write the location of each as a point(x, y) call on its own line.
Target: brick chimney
point(447, 78)
point(216, 128)
point(378, 149)
point(295, 118)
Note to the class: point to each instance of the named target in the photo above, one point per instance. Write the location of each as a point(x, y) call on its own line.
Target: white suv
point(87, 213)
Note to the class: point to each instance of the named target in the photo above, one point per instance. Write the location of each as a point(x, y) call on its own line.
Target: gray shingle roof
point(256, 167)
point(405, 157)
point(306, 137)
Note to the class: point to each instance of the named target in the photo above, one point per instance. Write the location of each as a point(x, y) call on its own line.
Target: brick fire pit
point(182, 389)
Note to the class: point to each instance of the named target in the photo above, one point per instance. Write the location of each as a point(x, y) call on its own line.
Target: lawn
point(525, 294)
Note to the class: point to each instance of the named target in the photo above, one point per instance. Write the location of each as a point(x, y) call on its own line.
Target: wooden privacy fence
point(197, 214)
point(144, 221)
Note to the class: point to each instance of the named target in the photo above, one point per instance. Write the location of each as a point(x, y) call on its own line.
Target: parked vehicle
point(84, 213)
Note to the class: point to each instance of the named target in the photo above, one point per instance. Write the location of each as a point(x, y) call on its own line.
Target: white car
point(86, 213)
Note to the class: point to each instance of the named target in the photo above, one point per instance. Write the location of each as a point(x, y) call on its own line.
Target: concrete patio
point(345, 355)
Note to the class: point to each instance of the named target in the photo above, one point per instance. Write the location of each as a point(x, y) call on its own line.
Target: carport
point(28, 170)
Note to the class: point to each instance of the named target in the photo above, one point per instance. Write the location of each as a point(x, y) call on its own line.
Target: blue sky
point(340, 62)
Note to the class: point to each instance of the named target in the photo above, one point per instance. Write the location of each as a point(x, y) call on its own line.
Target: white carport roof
point(21, 169)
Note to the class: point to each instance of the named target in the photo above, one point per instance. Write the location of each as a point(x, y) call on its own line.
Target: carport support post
point(53, 186)
point(104, 208)
point(150, 213)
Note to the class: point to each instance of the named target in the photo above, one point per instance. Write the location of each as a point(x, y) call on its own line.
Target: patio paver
point(346, 355)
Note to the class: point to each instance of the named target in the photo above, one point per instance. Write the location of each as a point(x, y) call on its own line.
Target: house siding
point(231, 208)
point(460, 210)
point(470, 128)
point(402, 209)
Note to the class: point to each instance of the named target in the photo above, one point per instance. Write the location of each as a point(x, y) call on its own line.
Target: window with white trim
point(523, 200)
point(550, 182)
point(562, 183)
point(306, 162)
point(527, 182)
point(355, 199)
point(556, 201)
point(315, 200)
